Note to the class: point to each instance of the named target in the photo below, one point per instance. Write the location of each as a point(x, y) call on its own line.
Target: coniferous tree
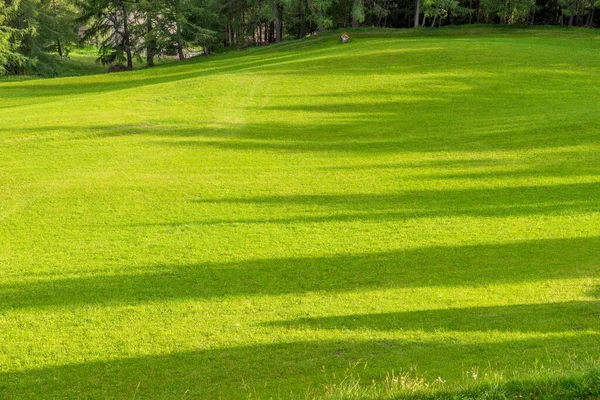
point(17, 30)
point(190, 22)
point(110, 21)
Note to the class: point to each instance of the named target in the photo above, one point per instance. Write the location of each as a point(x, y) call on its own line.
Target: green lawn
point(252, 224)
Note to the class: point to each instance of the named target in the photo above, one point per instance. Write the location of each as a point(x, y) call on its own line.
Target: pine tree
point(109, 20)
point(13, 33)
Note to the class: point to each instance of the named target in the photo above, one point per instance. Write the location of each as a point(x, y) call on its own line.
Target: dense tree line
point(33, 32)
point(32, 29)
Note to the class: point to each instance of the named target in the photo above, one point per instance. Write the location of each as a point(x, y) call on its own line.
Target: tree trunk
point(243, 27)
point(424, 20)
point(151, 46)
point(587, 20)
point(58, 44)
point(470, 14)
point(571, 19)
point(417, 13)
point(278, 23)
point(356, 22)
point(433, 22)
point(301, 28)
point(59, 47)
point(387, 7)
point(591, 18)
point(179, 40)
point(126, 37)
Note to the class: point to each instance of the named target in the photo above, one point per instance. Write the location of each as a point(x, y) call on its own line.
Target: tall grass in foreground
point(474, 386)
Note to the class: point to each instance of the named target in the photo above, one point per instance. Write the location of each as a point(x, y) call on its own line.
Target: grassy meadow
point(305, 219)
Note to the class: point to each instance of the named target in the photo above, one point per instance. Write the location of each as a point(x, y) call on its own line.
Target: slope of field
point(252, 224)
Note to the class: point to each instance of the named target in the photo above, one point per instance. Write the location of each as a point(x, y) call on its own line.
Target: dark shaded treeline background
point(35, 34)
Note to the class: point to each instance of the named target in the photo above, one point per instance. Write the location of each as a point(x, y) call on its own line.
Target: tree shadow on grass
point(546, 318)
point(139, 79)
point(501, 202)
point(358, 125)
point(380, 146)
point(479, 265)
point(552, 200)
point(378, 130)
point(277, 369)
point(280, 62)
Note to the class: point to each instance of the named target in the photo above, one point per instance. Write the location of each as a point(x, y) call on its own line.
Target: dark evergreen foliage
point(125, 29)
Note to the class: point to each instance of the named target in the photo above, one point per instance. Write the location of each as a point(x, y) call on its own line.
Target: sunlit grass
point(251, 224)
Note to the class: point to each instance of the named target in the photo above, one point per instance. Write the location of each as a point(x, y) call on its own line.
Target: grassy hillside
point(252, 224)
